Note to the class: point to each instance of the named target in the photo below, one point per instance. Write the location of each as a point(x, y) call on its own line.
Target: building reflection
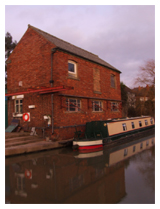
point(64, 176)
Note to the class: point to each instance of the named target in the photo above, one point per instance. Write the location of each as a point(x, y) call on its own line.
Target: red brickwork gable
point(31, 67)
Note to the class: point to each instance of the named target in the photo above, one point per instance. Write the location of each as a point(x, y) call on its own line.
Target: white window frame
point(116, 104)
point(18, 113)
point(70, 107)
point(96, 108)
point(75, 68)
point(19, 105)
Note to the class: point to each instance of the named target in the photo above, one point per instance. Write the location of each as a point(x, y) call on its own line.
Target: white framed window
point(113, 81)
point(124, 126)
point(73, 105)
point(97, 106)
point(18, 106)
point(72, 68)
point(114, 106)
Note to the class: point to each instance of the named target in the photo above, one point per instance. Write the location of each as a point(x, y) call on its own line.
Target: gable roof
point(73, 49)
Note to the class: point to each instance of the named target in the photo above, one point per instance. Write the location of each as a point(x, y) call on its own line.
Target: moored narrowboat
point(98, 133)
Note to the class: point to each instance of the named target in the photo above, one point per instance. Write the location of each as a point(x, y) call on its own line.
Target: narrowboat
point(98, 133)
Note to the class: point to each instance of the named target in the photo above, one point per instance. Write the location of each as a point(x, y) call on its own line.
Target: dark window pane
point(140, 124)
point(20, 111)
point(96, 106)
point(71, 67)
point(16, 108)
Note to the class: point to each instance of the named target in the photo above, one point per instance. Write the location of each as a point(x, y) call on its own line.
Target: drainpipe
point(51, 81)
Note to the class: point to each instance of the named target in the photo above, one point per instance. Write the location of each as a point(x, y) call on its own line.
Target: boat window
point(151, 120)
point(132, 123)
point(146, 122)
point(124, 126)
point(140, 124)
point(134, 148)
point(141, 145)
point(125, 152)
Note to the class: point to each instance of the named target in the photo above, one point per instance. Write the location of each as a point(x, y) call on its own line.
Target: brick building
point(60, 85)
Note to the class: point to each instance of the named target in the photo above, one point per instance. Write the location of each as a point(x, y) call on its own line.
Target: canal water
point(119, 175)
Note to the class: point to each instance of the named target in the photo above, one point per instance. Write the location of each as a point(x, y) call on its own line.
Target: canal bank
point(23, 142)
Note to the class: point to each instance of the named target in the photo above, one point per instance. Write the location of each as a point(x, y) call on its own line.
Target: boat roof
point(124, 119)
point(129, 118)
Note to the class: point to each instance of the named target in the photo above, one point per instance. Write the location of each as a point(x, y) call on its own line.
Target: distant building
point(145, 100)
point(59, 86)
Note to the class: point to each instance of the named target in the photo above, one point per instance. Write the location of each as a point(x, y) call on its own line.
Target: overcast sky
point(123, 36)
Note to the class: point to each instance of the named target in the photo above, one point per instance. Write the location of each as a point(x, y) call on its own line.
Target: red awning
point(42, 90)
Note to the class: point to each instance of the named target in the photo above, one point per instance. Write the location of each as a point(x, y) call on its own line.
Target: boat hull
point(88, 144)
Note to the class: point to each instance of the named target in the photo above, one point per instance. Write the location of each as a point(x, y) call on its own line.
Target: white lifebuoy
point(25, 116)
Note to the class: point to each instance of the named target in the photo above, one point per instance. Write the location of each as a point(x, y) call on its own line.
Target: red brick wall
point(31, 64)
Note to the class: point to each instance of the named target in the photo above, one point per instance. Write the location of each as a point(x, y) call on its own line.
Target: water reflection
point(64, 176)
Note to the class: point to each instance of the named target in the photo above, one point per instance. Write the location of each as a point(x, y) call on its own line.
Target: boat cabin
point(117, 127)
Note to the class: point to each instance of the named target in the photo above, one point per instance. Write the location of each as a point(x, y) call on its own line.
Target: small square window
point(72, 68)
point(72, 105)
point(114, 106)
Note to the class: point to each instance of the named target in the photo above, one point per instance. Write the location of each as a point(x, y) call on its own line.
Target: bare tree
point(146, 75)
point(146, 78)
